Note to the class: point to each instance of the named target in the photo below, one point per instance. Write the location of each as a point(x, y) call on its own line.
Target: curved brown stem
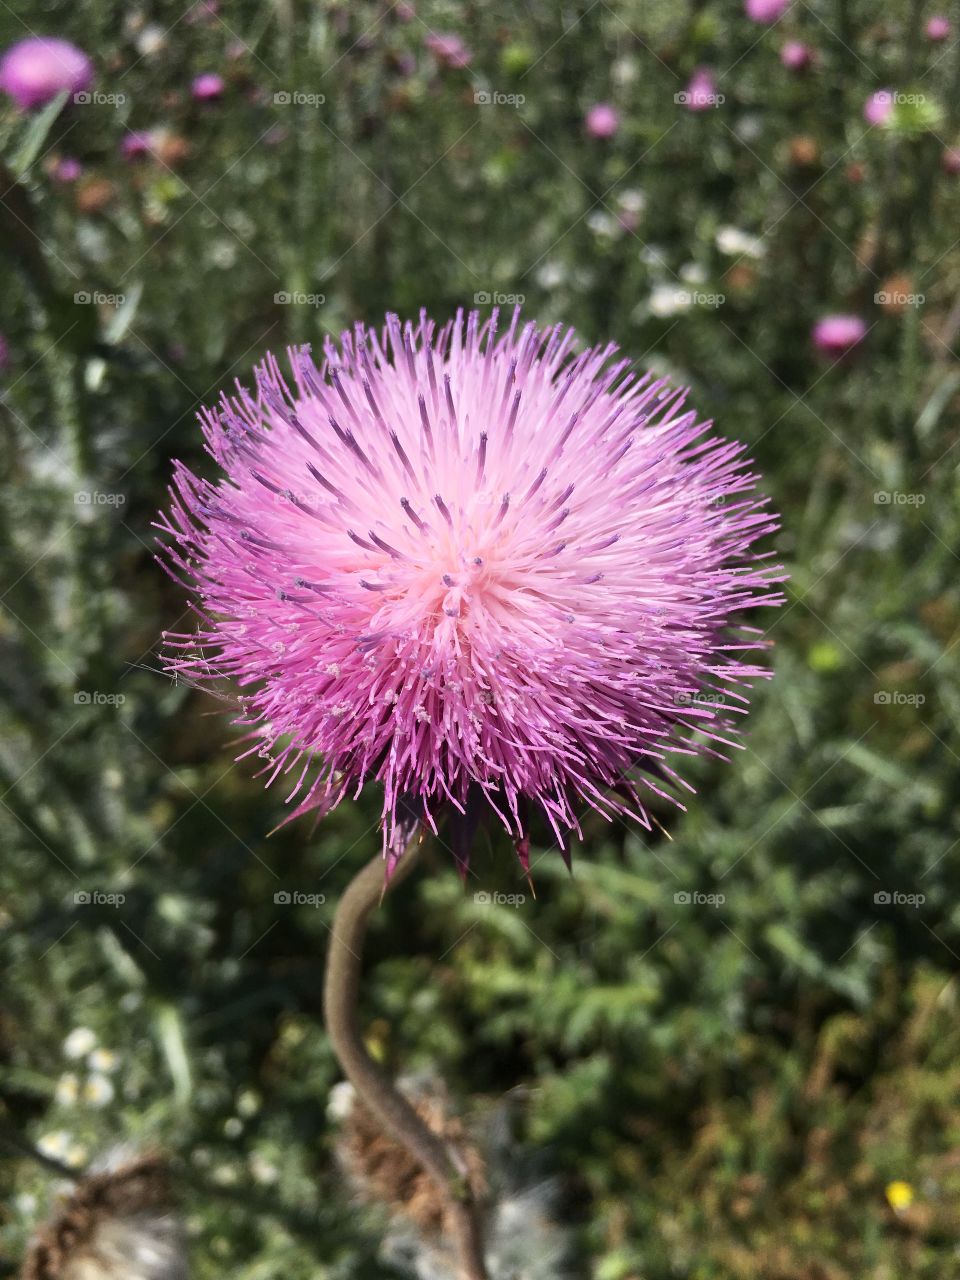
point(374, 1087)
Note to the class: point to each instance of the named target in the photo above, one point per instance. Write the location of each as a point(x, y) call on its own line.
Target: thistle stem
point(374, 1087)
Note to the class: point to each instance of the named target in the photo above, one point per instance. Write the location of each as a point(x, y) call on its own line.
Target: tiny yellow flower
point(899, 1195)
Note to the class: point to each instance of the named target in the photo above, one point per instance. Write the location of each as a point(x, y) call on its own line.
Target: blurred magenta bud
point(701, 92)
point(602, 120)
point(766, 10)
point(796, 56)
point(67, 169)
point(938, 28)
point(836, 335)
point(136, 144)
point(950, 160)
point(448, 49)
point(208, 86)
point(35, 70)
point(878, 107)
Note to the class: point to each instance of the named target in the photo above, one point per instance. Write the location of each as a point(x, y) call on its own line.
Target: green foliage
point(727, 1043)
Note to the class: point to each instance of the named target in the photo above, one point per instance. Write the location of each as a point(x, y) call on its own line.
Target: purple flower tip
point(67, 169)
point(766, 10)
point(137, 143)
point(835, 335)
point(602, 120)
point(208, 86)
point(35, 70)
point(879, 107)
point(796, 56)
point(449, 49)
point(938, 28)
point(487, 570)
point(701, 93)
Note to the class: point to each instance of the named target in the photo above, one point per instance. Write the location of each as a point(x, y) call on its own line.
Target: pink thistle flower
point(137, 143)
point(485, 571)
point(67, 169)
point(35, 70)
point(879, 107)
point(796, 56)
point(701, 93)
point(767, 11)
point(839, 334)
point(449, 50)
point(602, 120)
point(207, 87)
point(937, 29)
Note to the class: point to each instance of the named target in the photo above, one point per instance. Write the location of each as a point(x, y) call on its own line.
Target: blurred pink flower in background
point(68, 169)
point(208, 86)
point(701, 92)
point(602, 120)
point(766, 10)
point(838, 334)
point(136, 144)
point(35, 70)
point(878, 107)
point(796, 56)
point(449, 49)
point(950, 160)
point(938, 28)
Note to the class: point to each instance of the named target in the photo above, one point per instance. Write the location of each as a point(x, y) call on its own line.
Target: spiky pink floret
point(473, 568)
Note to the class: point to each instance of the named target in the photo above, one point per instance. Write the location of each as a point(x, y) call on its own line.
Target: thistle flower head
point(35, 70)
point(486, 571)
point(116, 1224)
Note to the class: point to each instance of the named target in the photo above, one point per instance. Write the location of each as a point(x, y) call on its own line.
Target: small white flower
point(551, 275)
point(340, 1102)
point(668, 300)
point(248, 1103)
point(79, 1042)
point(103, 1060)
point(737, 243)
point(98, 1091)
point(693, 273)
point(67, 1090)
point(56, 1144)
point(633, 200)
point(602, 223)
point(263, 1170)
